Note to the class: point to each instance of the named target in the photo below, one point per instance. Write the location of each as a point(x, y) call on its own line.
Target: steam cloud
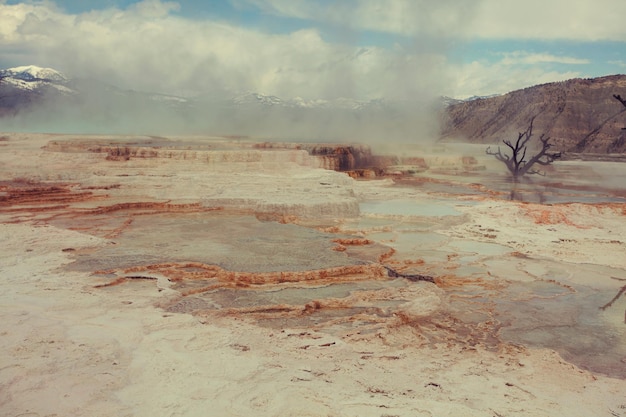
point(151, 46)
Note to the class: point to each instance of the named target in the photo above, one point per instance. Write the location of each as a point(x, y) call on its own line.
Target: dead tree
point(516, 162)
point(620, 99)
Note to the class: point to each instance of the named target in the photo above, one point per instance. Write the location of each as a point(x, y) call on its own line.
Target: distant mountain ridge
point(579, 115)
point(45, 100)
point(34, 79)
point(31, 79)
point(298, 102)
point(26, 85)
point(34, 73)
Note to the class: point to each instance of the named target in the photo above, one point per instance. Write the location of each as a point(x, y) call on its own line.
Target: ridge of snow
point(36, 85)
point(299, 102)
point(33, 72)
point(257, 98)
point(34, 78)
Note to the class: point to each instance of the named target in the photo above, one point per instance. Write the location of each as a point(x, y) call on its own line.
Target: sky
point(361, 49)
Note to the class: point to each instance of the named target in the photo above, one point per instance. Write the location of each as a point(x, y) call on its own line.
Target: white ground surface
point(70, 349)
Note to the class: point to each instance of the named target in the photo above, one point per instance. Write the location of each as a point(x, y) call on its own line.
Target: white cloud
point(527, 58)
point(147, 47)
point(483, 78)
point(550, 19)
point(512, 71)
point(150, 47)
point(486, 19)
point(404, 17)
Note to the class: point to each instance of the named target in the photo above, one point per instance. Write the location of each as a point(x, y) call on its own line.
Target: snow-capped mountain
point(253, 98)
point(33, 78)
point(30, 85)
point(34, 73)
point(28, 80)
point(256, 98)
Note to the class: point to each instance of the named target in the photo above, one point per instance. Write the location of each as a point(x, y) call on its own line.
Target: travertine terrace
point(221, 276)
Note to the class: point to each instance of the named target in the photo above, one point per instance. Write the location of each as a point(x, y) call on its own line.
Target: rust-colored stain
point(560, 213)
point(37, 196)
point(178, 272)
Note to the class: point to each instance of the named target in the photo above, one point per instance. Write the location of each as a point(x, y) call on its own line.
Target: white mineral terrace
point(221, 277)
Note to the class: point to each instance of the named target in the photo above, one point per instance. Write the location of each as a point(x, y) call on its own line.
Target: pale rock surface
point(70, 348)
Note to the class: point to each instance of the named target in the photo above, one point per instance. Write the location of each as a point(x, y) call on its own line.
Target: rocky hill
point(579, 115)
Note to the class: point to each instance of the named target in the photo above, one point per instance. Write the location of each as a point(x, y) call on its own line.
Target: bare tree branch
point(516, 163)
point(620, 99)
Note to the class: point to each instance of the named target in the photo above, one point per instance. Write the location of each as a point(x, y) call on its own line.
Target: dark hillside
point(580, 115)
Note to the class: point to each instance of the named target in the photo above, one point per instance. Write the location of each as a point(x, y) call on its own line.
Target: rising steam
point(150, 47)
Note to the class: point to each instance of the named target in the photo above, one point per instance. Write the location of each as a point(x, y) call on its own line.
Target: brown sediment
point(36, 200)
point(267, 311)
point(22, 195)
point(134, 209)
point(22, 192)
point(280, 311)
point(122, 151)
point(364, 173)
point(342, 243)
point(277, 217)
point(353, 241)
point(336, 157)
point(387, 255)
point(558, 213)
point(174, 271)
point(117, 231)
point(359, 306)
point(178, 272)
point(363, 307)
point(403, 264)
point(551, 215)
point(329, 229)
point(102, 187)
point(121, 280)
point(619, 208)
point(452, 281)
point(154, 207)
point(483, 189)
